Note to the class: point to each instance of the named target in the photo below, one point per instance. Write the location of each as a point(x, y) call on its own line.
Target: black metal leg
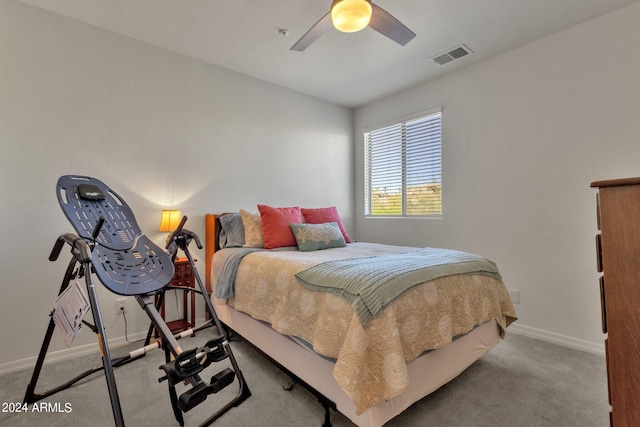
point(30, 395)
point(172, 393)
point(327, 414)
point(104, 351)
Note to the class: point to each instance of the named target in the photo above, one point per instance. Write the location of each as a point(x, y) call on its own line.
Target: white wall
point(161, 129)
point(524, 135)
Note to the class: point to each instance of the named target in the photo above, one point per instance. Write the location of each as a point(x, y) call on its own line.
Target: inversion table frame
point(111, 245)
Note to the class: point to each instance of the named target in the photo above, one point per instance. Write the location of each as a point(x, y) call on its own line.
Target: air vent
point(451, 55)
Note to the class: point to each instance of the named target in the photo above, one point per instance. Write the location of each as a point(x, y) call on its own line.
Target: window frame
point(401, 121)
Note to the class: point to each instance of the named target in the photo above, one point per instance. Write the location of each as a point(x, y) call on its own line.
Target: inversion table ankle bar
point(110, 244)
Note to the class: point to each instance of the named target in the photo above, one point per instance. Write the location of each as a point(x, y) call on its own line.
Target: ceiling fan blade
point(384, 23)
point(319, 28)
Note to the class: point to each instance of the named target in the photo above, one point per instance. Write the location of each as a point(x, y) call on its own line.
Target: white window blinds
point(403, 168)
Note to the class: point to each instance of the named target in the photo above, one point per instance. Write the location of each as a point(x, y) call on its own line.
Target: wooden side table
point(183, 281)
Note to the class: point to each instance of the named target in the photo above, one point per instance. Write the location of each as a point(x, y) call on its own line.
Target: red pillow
point(322, 215)
point(275, 225)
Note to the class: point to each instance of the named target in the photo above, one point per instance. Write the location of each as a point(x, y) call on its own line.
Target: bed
point(368, 369)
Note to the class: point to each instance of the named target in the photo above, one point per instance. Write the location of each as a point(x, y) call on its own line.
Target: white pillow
point(252, 229)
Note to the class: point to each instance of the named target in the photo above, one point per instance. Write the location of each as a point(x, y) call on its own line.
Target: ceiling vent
point(453, 54)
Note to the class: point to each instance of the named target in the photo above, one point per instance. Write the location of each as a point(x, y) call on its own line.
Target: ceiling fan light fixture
point(350, 16)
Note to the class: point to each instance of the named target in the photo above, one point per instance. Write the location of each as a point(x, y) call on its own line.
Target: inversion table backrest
point(126, 261)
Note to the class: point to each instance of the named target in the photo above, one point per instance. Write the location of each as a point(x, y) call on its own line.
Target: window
point(403, 168)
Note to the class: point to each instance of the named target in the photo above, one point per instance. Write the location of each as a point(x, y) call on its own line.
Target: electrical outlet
point(121, 305)
point(515, 296)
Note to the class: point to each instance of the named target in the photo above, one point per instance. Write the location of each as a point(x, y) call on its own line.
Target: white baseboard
point(563, 340)
point(54, 356)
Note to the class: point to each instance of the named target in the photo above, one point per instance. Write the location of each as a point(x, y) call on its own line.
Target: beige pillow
point(252, 229)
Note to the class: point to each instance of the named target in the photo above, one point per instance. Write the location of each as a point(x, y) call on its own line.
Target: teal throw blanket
point(369, 284)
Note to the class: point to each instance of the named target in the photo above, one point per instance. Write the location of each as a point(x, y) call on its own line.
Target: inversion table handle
point(80, 248)
point(184, 233)
point(194, 236)
point(175, 232)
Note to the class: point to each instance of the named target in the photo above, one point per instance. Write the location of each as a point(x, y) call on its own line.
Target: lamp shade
point(170, 220)
point(350, 16)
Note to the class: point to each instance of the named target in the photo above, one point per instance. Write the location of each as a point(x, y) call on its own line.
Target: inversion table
point(110, 245)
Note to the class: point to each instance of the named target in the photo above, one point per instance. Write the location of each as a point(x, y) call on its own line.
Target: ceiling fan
point(350, 16)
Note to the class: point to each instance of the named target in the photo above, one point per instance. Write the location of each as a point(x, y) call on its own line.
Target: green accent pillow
point(313, 237)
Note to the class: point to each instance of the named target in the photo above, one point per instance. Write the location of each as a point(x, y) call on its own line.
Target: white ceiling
point(345, 69)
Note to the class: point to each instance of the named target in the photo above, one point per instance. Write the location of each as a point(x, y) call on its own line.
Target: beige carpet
point(522, 382)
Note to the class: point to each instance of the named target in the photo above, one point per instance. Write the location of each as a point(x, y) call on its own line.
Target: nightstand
point(182, 281)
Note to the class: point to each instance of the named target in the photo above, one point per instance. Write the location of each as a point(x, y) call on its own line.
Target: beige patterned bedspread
point(371, 361)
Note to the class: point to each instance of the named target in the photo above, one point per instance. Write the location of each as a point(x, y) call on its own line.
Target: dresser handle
point(603, 307)
point(600, 266)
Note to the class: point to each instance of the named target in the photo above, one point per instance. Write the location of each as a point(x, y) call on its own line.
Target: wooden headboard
point(211, 244)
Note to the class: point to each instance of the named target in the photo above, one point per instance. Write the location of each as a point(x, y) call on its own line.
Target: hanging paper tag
point(69, 309)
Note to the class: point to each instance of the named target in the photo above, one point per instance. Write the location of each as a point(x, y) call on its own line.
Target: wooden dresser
point(618, 253)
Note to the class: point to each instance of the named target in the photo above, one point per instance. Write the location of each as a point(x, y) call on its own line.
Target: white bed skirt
point(427, 373)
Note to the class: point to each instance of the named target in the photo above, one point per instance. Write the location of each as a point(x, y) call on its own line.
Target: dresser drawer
point(182, 282)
